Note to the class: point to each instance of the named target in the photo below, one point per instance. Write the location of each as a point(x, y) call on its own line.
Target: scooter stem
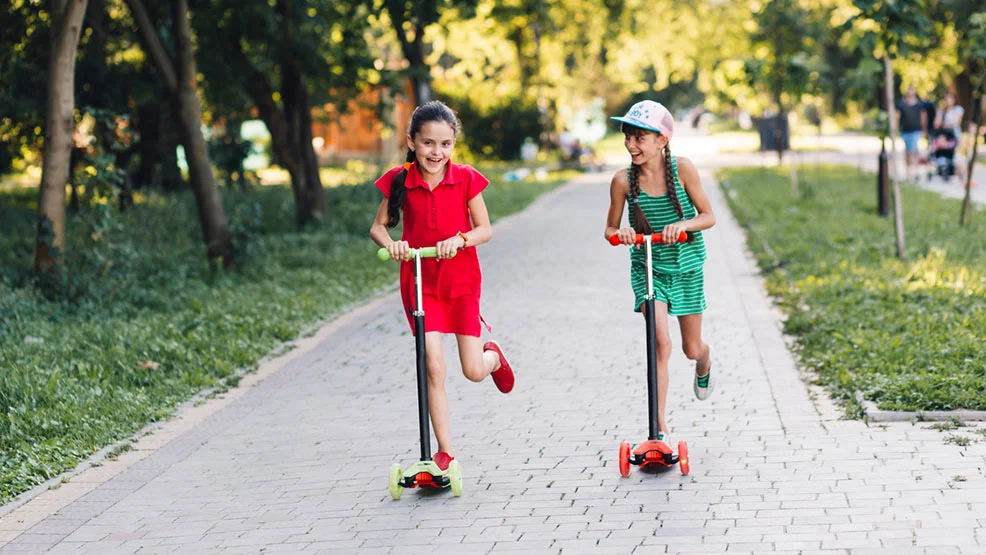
point(421, 362)
point(650, 321)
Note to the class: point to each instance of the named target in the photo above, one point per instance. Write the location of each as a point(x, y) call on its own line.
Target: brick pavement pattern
point(299, 463)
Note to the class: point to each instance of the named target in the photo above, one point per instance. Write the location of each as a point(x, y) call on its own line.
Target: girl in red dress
point(442, 204)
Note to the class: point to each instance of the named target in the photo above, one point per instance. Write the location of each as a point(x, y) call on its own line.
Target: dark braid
point(397, 193)
point(431, 111)
point(673, 187)
point(638, 221)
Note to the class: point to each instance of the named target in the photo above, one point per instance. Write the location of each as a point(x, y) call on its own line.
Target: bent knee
point(693, 351)
point(474, 373)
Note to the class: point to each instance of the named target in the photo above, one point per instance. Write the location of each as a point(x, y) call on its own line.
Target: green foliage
point(907, 334)
point(782, 59)
point(140, 324)
point(24, 47)
point(496, 131)
point(236, 40)
point(891, 27)
point(227, 151)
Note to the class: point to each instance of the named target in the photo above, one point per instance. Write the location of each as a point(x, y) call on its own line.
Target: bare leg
point(663, 337)
point(692, 344)
point(437, 395)
point(476, 363)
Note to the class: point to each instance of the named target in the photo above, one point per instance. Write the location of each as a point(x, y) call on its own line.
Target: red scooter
point(652, 452)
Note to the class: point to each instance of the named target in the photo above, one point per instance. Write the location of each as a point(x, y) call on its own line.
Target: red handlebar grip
point(614, 239)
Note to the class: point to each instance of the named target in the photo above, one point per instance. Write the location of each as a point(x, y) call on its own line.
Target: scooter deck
point(653, 452)
point(425, 474)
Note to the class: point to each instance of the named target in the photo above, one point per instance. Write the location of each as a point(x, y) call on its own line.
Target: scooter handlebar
point(425, 252)
point(614, 239)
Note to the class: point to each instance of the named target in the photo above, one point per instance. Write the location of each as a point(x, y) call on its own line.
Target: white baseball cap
point(649, 115)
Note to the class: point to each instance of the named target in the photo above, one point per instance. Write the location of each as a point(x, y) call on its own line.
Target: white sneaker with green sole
point(704, 386)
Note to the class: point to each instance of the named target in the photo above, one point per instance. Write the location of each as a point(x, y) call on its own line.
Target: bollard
point(882, 191)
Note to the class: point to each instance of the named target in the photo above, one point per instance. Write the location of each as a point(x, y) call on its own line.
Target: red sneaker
point(503, 376)
point(442, 459)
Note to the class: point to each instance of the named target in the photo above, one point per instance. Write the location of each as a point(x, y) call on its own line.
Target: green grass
point(141, 323)
point(909, 334)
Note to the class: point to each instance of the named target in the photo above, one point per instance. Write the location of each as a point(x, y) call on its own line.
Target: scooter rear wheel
point(394, 481)
point(624, 459)
point(683, 463)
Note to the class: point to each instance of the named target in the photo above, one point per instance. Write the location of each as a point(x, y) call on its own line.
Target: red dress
point(450, 288)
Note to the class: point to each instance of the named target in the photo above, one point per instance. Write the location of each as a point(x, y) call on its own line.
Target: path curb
point(873, 414)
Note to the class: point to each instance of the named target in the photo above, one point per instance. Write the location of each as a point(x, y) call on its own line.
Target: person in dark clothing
point(913, 124)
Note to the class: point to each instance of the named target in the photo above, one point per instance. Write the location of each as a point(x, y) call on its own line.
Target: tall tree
point(888, 29)
point(956, 17)
point(179, 75)
point(976, 34)
point(66, 25)
point(282, 59)
point(781, 40)
point(410, 19)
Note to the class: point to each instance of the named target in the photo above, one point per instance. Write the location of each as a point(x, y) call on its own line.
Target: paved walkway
point(298, 463)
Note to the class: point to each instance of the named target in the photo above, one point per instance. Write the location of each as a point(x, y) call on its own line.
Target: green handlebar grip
point(425, 252)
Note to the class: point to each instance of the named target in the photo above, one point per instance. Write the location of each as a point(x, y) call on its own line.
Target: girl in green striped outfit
point(664, 194)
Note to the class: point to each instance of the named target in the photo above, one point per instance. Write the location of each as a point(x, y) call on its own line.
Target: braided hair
point(673, 188)
point(429, 112)
point(638, 221)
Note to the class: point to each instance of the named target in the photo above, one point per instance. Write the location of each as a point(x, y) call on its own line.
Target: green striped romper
point(678, 275)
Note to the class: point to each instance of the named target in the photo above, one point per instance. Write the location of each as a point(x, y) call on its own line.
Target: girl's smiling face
point(642, 145)
point(432, 146)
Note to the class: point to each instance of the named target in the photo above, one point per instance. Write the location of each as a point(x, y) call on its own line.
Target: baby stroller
point(942, 153)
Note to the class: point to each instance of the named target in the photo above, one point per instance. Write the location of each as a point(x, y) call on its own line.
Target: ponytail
point(398, 192)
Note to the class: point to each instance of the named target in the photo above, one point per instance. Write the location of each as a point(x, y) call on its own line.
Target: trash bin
point(767, 128)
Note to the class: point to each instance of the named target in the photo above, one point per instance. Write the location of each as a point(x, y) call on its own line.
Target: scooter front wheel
point(624, 459)
point(683, 463)
point(455, 478)
point(394, 481)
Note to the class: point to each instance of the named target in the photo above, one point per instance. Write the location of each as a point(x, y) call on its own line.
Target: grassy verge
point(908, 334)
point(142, 323)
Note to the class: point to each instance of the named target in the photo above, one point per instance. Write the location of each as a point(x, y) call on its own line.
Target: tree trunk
point(965, 95)
point(779, 84)
point(305, 180)
point(66, 18)
point(158, 148)
point(309, 195)
point(966, 213)
point(414, 52)
point(179, 76)
point(211, 214)
point(420, 72)
point(892, 121)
